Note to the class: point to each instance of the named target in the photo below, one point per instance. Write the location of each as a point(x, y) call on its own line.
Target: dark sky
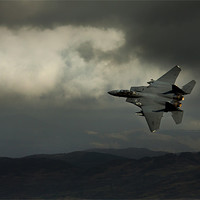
point(58, 59)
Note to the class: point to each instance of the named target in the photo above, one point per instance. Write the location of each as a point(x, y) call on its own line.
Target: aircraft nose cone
point(112, 92)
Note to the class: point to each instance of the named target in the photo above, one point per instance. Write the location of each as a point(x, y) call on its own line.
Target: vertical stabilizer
point(189, 86)
point(177, 116)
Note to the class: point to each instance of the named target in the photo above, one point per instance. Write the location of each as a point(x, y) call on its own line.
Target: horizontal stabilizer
point(189, 86)
point(177, 116)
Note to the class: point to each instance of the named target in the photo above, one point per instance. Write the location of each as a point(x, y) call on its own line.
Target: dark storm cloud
point(164, 33)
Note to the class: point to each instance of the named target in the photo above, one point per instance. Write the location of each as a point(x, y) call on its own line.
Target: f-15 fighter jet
point(160, 96)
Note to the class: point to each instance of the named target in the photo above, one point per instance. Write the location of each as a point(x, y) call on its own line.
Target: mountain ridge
point(92, 175)
point(131, 152)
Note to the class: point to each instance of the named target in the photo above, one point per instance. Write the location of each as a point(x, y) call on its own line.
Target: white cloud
point(37, 61)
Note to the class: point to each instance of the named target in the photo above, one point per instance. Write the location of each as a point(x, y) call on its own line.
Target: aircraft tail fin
point(177, 116)
point(189, 87)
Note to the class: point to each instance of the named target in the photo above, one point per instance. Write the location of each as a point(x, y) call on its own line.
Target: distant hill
point(92, 175)
point(81, 158)
point(133, 153)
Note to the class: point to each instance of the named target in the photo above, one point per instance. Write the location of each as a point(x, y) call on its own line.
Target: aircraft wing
point(153, 117)
point(171, 75)
point(165, 82)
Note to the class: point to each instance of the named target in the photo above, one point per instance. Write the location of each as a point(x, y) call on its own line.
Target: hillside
point(81, 159)
point(92, 175)
point(133, 153)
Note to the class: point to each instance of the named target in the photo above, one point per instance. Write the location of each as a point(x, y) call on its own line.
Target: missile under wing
point(160, 96)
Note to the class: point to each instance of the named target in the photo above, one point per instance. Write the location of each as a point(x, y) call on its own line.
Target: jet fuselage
point(158, 98)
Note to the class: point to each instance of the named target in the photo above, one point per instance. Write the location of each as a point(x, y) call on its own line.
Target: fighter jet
point(160, 96)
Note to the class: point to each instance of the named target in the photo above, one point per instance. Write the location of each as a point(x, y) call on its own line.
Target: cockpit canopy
point(123, 91)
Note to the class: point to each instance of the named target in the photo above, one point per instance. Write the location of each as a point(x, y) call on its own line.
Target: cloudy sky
point(58, 59)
